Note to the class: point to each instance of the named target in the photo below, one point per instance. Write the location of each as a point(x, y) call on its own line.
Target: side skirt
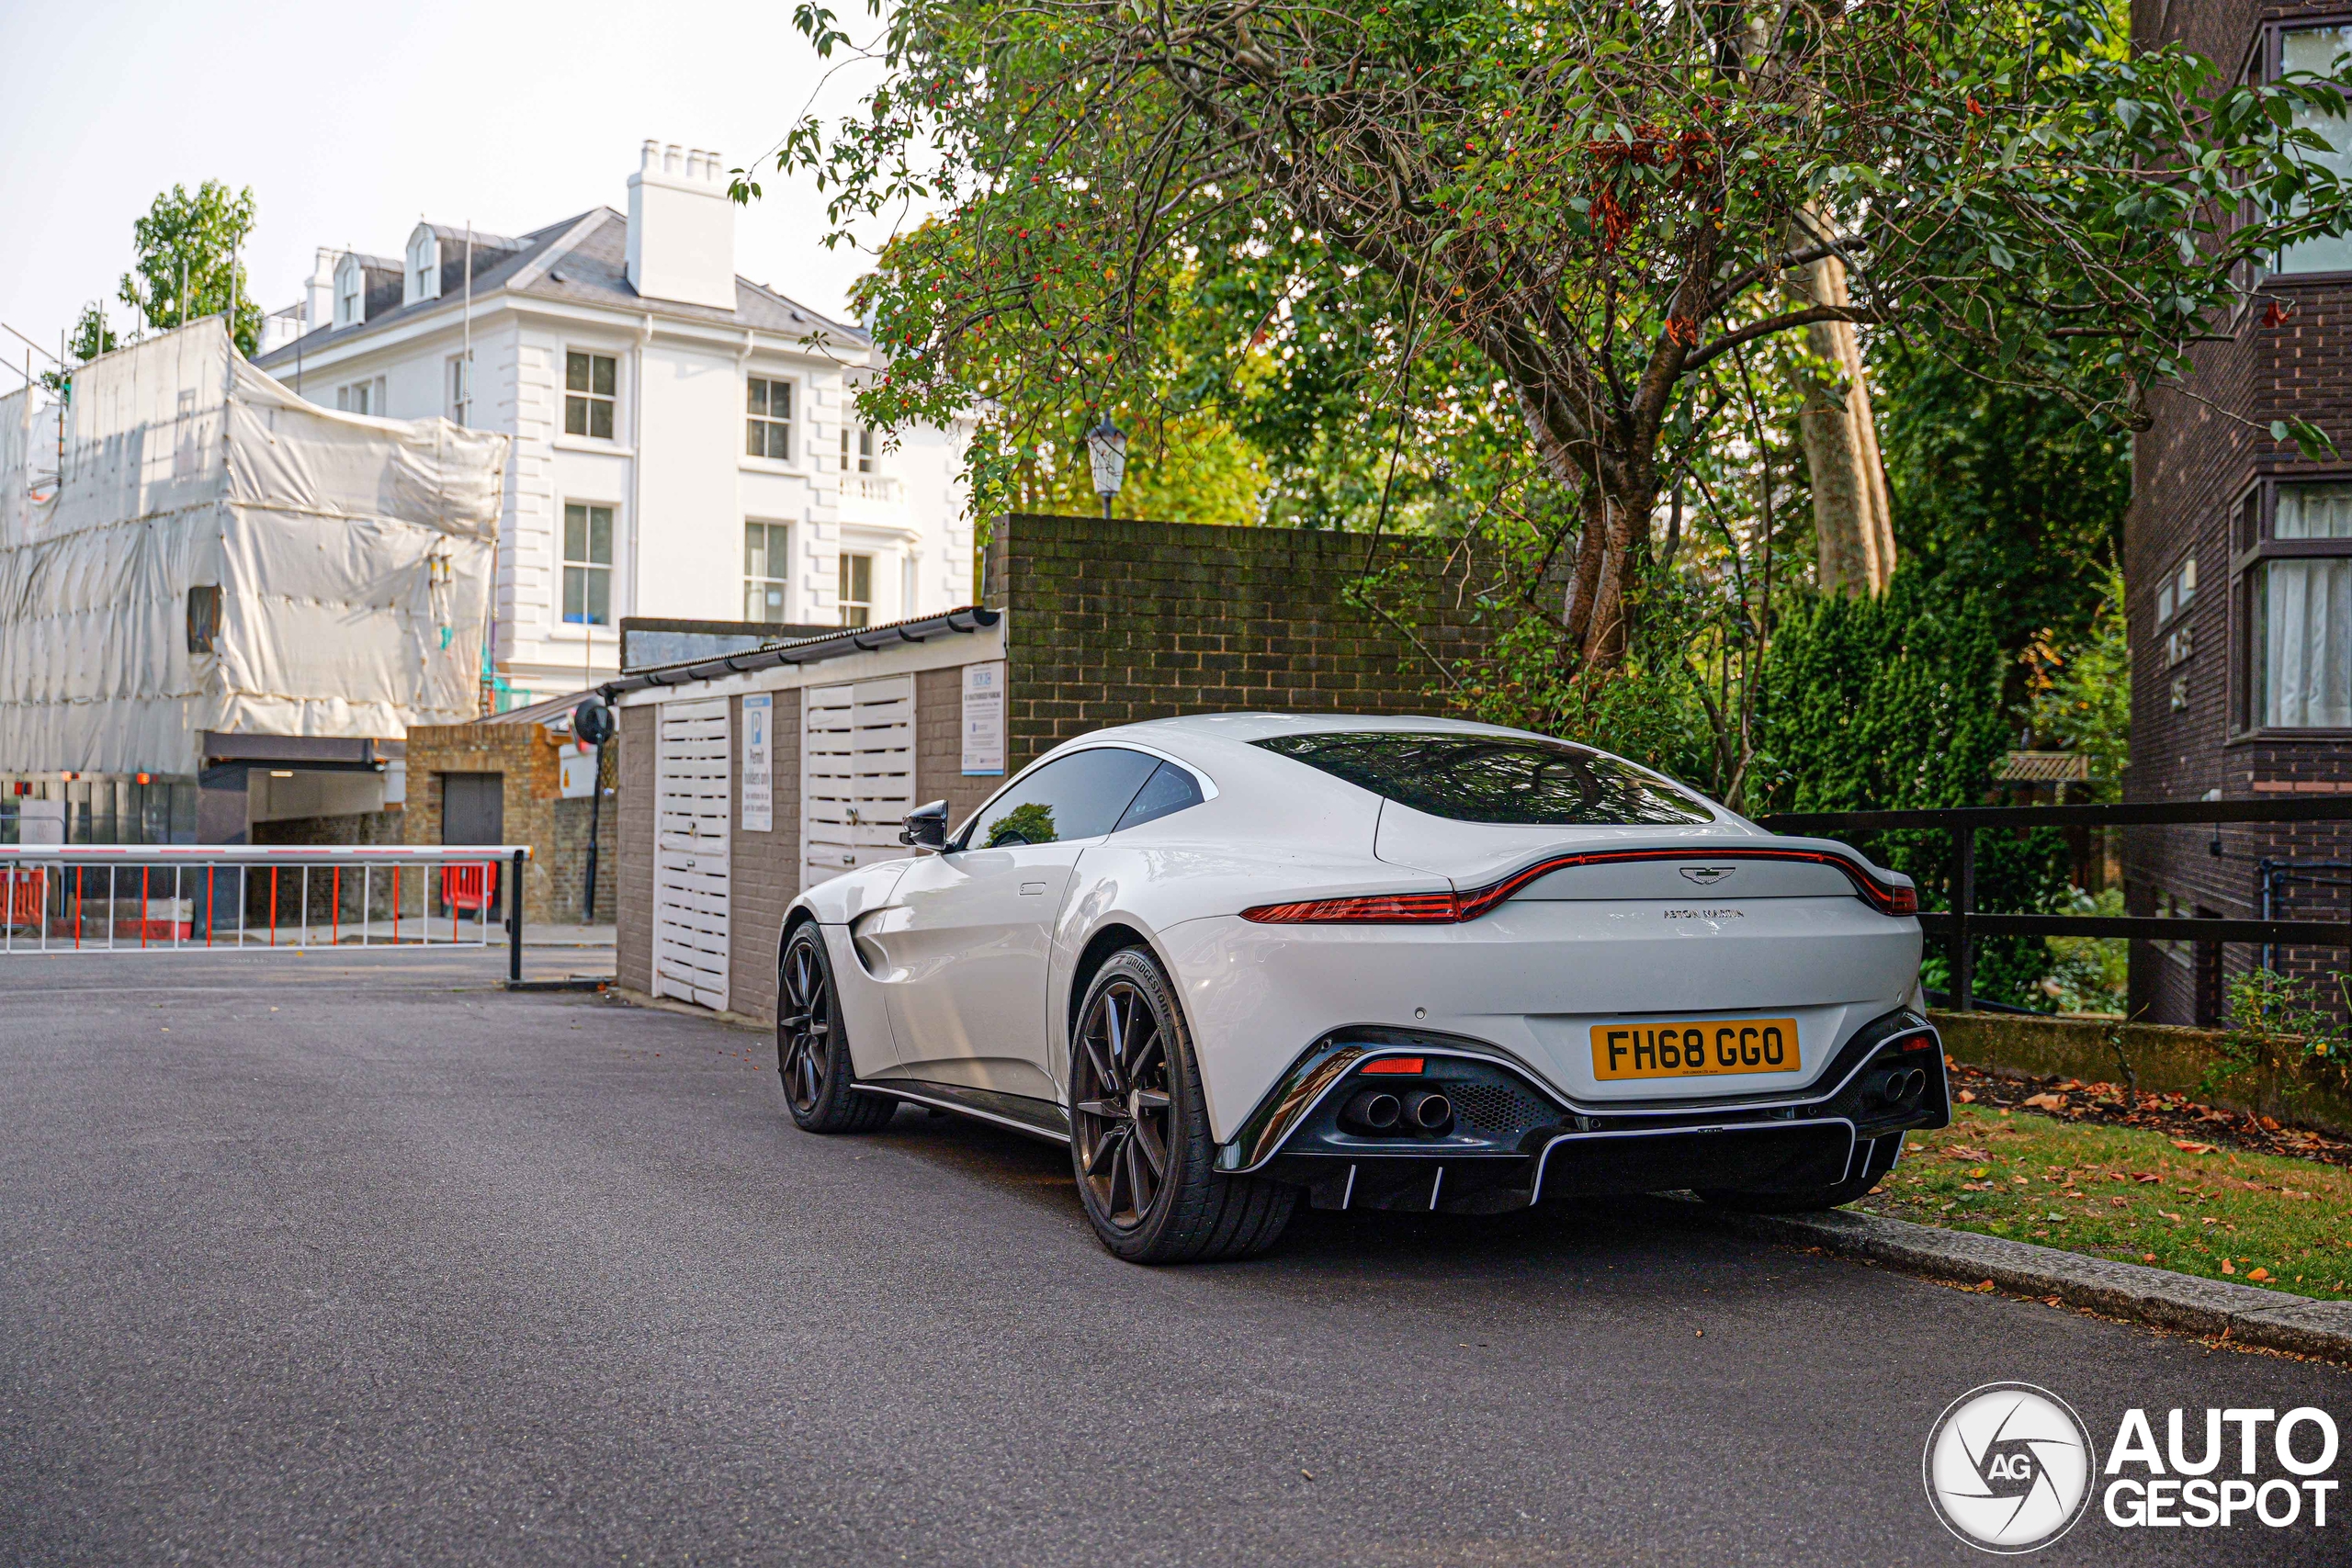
point(1038, 1118)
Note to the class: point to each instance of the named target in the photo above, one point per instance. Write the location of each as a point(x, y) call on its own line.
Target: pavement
point(332, 1261)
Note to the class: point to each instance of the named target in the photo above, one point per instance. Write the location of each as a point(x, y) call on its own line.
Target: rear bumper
point(1516, 1139)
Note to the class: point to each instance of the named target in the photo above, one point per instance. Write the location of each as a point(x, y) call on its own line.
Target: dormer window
point(423, 274)
point(350, 291)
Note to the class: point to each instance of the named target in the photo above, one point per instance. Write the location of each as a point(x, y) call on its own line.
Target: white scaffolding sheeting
point(352, 558)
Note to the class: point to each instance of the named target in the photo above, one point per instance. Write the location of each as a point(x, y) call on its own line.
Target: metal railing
point(58, 899)
point(1963, 922)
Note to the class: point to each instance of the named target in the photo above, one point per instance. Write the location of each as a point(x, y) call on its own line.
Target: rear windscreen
point(1517, 780)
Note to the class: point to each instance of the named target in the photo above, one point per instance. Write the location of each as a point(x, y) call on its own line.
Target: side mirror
point(926, 826)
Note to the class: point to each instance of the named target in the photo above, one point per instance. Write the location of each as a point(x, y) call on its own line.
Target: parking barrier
point(50, 898)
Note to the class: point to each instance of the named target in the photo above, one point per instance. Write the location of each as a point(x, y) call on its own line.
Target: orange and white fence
point(197, 897)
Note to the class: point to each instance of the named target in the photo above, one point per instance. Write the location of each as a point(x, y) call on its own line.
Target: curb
point(2210, 1308)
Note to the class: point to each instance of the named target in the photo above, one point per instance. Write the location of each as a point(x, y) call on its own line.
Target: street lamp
point(1106, 445)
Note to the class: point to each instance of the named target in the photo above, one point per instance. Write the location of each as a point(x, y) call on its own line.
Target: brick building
point(2238, 551)
point(501, 781)
point(1085, 625)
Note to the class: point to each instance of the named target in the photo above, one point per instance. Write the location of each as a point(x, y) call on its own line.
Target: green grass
point(2124, 1193)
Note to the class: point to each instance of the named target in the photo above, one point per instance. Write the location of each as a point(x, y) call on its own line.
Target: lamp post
point(1107, 447)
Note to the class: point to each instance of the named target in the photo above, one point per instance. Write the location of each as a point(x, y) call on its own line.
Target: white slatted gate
point(691, 760)
point(857, 774)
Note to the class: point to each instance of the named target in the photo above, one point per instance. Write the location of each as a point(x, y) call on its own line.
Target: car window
point(1170, 789)
point(1505, 778)
point(1077, 796)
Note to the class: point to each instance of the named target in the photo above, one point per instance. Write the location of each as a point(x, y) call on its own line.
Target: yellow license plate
point(1694, 1050)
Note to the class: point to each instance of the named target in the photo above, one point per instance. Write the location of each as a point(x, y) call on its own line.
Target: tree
point(92, 336)
point(1593, 202)
point(195, 239)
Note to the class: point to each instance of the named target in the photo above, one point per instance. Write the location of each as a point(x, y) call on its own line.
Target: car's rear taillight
point(1383, 909)
point(1902, 900)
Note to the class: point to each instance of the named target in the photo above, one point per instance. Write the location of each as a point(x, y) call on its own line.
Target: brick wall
point(534, 813)
point(2208, 444)
point(633, 861)
point(764, 869)
point(1121, 621)
point(939, 747)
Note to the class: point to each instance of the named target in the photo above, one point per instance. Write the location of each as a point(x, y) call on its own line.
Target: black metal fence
point(1962, 923)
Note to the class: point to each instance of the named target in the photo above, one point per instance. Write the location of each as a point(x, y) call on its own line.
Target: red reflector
point(1394, 1065)
point(1902, 901)
point(1916, 1043)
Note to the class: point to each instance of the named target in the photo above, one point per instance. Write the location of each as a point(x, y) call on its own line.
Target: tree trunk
point(1850, 513)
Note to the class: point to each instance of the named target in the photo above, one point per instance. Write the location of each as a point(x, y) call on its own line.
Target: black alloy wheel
point(811, 1047)
point(1139, 1130)
point(1119, 1085)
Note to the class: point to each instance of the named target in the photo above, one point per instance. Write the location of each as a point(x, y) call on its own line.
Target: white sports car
point(1238, 960)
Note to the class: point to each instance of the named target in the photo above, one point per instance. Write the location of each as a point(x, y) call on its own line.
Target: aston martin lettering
point(1725, 914)
point(1686, 1050)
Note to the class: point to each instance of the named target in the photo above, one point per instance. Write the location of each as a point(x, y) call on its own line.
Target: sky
point(349, 121)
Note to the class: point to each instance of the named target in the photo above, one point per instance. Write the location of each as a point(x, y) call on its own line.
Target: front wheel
point(1813, 1200)
point(811, 1047)
point(1139, 1128)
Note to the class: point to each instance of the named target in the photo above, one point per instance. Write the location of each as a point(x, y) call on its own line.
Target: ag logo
point(1708, 875)
point(2009, 1466)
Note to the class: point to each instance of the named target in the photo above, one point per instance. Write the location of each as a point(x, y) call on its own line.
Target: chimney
point(318, 294)
point(681, 228)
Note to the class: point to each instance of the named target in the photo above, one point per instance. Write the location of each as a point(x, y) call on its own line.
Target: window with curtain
point(765, 554)
point(2300, 657)
point(2316, 50)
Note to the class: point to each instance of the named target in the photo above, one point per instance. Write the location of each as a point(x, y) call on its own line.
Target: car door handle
point(1032, 889)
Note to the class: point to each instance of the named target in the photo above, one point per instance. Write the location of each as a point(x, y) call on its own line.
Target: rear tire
point(812, 1047)
point(1140, 1143)
point(1813, 1200)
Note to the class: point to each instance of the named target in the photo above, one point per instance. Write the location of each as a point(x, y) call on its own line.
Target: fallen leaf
point(2268, 1126)
point(2147, 1258)
point(2189, 1148)
point(2046, 1101)
point(1980, 1173)
point(1968, 1097)
point(1962, 1151)
point(2226, 1269)
point(2069, 1084)
point(2145, 1176)
point(2168, 1214)
point(2259, 1274)
point(1982, 1285)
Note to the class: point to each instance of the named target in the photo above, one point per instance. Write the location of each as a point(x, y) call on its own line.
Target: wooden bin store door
point(690, 863)
point(857, 779)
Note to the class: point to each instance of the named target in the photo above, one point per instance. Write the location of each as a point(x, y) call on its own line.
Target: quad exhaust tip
point(1426, 1110)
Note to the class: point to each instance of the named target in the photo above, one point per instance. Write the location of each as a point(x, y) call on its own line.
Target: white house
point(682, 441)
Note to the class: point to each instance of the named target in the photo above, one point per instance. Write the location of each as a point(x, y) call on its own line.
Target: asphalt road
point(369, 1265)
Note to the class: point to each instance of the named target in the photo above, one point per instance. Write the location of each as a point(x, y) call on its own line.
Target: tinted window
point(1494, 778)
point(1168, 789)
point(1080, 796)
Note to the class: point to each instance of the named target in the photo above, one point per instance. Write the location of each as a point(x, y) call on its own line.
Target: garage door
point(857, 777)
point(691, 756)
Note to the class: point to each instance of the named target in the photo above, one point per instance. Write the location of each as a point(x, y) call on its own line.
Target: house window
point(857, 590)
point(766, 552)
point(589, 380)
point(361, 397)
point(2317, 50)
point(461, 393)
point(2296, 590)
point(767, 429)
point(350, 293)
point(587, 564)
point(857, 449)
point(423, 266)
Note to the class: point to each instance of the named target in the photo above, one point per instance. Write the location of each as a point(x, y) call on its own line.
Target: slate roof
point(584, 259)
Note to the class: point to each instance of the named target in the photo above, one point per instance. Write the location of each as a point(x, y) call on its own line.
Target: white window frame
point(868, 459)
point(779, 572)
point(457, 382)
point(795, 397)
point(350, 292)
point(365, 398)
point(844, 579)
point(566, 565)
point(2274, 45)
point(421, 267)
point(591, 397)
